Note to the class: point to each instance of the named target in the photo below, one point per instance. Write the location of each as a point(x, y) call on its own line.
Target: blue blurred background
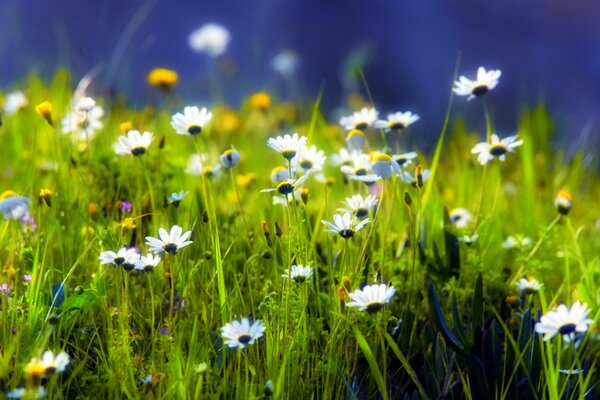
point(547, 50)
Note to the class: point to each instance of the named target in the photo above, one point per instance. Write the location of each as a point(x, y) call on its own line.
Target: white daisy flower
point(371, 297)
point(198, 165)
point(285, 63)
point(147, 263)
point(287, 186)
point(404, 159)
point(295, 197)
point(242, 333)
point(343, 157)
point(496, 149)
point(123, 257)
point(230, 158)
point(486, 81)
point(368, 179)
point(355, 139)
point(360, 164)
point(176, 197)
point(30, 393)
point(280, 174)
point(397, 121)
point(360, 120)
point(48, 364)
point(468, 240)
point(359, 206)
point(84, 121)
point(298, 273)
point(309, 160)
point(287, 145)
point(169, 242)
point(529, 285)
point(516, 242)
point(564, 321)
point(407, 177)
point(383, 165)
point(134, 143)
point(192, 121)
point(345, 225)
point(563, 202)
point(211, 39)
point(14, 102)
point(460, 217)
point(15, 207)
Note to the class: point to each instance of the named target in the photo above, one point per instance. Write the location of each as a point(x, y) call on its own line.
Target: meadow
point(216, 258)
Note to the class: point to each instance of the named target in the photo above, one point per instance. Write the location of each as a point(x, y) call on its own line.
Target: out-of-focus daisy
point(134, 143)
point(288, 186)
point(368, 179)
point(371, 297)
point(162, 78)
point(38, 392)
point(198, 165)
point(343, 157)
point(280, 174)
point(15, 207)
point(413, 180)
point(287, 145)
point(124, 256)
point(460, 217)
point(294, 198)
point(345, 225)
point(496, 149)
point(285, 63)
point(359, 206)
point(516, 242)
point(176, 197)
point(14, 102)
point(192, 121)
point(309, 160)
point(360, 165)
point(397, 121)
point(169, 242)
point(355, 139)
point(564, 321)
point(83, 121)
point(563, 202)
point(230, 158)
point(529, 285)
point(383, 165)
point(148, 262)
point(468, 240)
point(47, 364)
point(211, 39)
point(239, 334)
point(404, 159)
point(299, 273)
point(360, 120)
point(485, 81)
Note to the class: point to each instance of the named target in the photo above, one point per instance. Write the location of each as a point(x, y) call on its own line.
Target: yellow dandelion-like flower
point(128, 223)
point(260, 101)
point(45, 110)
point(162, 78)
point(46, 196)
point(125, 126)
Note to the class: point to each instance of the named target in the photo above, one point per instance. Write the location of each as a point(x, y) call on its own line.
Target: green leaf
point(477, 305)
point(405, 364)
point(440, 321)
point(375, 372)
point(456, 320)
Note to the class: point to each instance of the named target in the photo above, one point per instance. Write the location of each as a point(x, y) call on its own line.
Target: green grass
point(429, 342)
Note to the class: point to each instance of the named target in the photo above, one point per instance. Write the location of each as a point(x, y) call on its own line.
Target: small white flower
point(404, 159)
point(84, 121)
point(355, 139)
point(147, 263)
point(124, 256)
point(496, 149)
point(285, 63)
point(407, 177)
point(134, 143)
point(240, 334)
point(294, 198)
point(298, 273)
point(359, 206)
point(192, 121)
point(309, 160)
point(176, 197)
point(563, 202)
point(360, 120)
point(280, 174)
point(211, 39)
point(230, 158)
point(383, 165)
point(287, 186)
point(460, 217)
point(469, 240)
point(345, 225)
point(397, 121)
point(198, 165)
point(368, 179)
point(360, 164)
point(371, 297)
point(31, 393)
point(343, 157)
point(14, 102)
point(169, 242)
point(564, 321)
point(287, 145)
point(486, 81)
point(529, 285)
point(516, 242)
point(48, 364)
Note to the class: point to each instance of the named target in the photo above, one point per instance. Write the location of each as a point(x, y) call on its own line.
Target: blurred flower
point(404, 159)
point(176, 198)
point(169, 242)
point(134, 143)
point(280, 174)
point(460, 217)
point(359, 164)
point(529, 285)
point(162, 78)
point(45, 110)
point(397, 121)
point(343, 157)
point(46, 196)
point(415, 180)
point(371, 297)
point(383, 165)
point(468, 240)
point(288, 186)
point(47, 365)
point(563, 202)
point(197, 166)
point(38, 392)
point(27, 278)
point(125, 126)
point(298, 273)
point(124, 256)
point(359, 206)
point(192, 121)
point(261, 101)
point(285, 63)
point(83, 121)
point(345, 225)
point(126, 206)
point(360, 120)
point(148, 262)
point(516, 242)
point(287, 145)
point(309, 160)
point(564, 321)
point(242, 333)
point(30, 220)
point(15, 207)
point(128, 223)
point(496, 149)
point(211, 39)
point(230, 158)
point(14, 102)
point(485, 82)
